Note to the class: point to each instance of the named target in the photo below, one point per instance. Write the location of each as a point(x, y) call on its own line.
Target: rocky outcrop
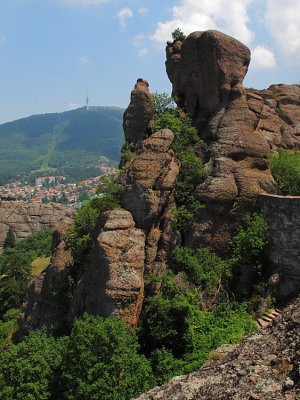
point(265, 365)
point(239, 128)
point(207, 71)
point(50, 293)
point(148, 195)
point(129, 245)
point(112, 283)
point(24, 219)
point(138, 113)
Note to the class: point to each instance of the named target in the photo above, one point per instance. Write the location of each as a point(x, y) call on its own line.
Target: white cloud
point(194, 15)
point(138, 40)
point(143, 11)
point(83, 2)
point(143, 52)
point(282, 21)
point(84, 60)
point(73, 106)
point(262, 58)
point(124, 14)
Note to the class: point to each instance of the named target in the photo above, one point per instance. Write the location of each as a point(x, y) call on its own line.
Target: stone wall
point(282, 214)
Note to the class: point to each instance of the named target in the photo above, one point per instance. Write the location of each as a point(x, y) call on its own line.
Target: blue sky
point(51, 51)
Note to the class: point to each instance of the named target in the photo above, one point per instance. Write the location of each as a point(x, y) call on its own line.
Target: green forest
point(68, 143)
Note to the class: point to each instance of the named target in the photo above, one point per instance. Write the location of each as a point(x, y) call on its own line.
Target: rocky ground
point(265, 366)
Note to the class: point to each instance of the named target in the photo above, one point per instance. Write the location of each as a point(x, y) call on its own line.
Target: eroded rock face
point(239, 128)
point(206, 70)
point(110, 282)
point(49, 294)
point(137, 114)
point(25, 219)
point(148, 195)
point(113, 283)
point(264, 366)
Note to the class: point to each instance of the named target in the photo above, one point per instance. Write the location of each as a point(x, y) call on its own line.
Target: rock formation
point(264, 366)
point(24, 219)
point(207, 71)
point(148, 195)
point(112, 283)
point(138, 113)
point(109, 283)
point(238, 127)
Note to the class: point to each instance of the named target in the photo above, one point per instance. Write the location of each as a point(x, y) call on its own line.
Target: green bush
point(285, 168)
point(192, 171)
point(79, 237)
point(249, 242)
point(102, 361)
point(179, 336)
point(162, 103)
point(15, 268)
point(8, 325)
point(99, 360)
point(178, 35)
point(28, 369)
point(204, 268)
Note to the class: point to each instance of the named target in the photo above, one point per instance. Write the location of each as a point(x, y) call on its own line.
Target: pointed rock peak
point(138, 113)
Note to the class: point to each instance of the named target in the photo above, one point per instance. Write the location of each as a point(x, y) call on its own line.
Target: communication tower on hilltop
point(87, 99)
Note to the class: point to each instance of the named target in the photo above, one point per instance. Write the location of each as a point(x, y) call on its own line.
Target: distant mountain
point(67, 143)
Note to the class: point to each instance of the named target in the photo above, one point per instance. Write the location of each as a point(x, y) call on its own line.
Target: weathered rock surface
point(137, 114)
point(49, 294)
point(24, 219)
point(109, 283)
point(148, 195)
point(239, 128)
point(207, 71)
point(264, 366)
point(113, 283)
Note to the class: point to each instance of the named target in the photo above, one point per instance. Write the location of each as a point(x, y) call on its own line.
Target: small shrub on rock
point(285, 168)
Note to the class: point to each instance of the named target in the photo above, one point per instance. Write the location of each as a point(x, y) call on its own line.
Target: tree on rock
point(178, 35)
point(10, 239)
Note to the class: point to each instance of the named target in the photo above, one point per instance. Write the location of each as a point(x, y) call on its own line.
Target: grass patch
point(39, 264)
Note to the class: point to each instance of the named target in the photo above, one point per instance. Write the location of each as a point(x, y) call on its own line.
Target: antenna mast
point(87, 99)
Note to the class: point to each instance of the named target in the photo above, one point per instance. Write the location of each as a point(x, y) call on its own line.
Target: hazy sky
point(51, 51)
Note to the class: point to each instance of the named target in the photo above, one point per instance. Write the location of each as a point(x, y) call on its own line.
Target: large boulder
point(206, 70)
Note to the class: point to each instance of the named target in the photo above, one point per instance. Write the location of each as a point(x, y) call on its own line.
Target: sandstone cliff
point(238, 128)
point(24, 219)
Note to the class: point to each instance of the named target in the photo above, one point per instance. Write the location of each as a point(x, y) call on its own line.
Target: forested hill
point(64, 143)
